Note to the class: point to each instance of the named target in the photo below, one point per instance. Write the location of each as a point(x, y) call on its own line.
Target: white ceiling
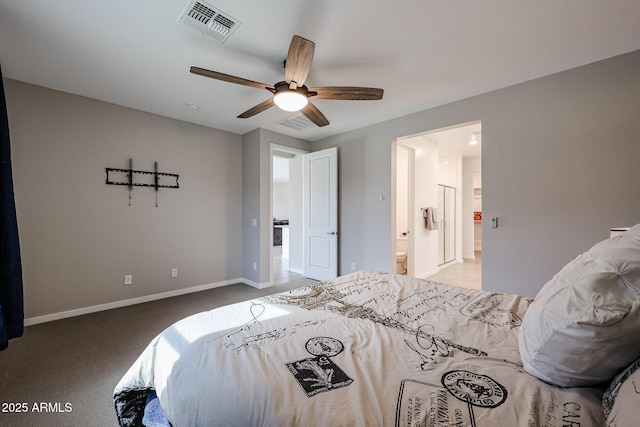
point(451, 142)
point(425, 53)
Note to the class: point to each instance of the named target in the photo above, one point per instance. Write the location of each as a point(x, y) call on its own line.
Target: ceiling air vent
point(297, 122)
point(209, 20)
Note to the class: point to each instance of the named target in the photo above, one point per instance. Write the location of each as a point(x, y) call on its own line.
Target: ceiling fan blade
point(229, 78)
point(299, 60)
point(348, 93)
point(313, 114)
point(257, 109)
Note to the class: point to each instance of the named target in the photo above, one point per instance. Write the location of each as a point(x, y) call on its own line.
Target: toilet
point(401, 254)
point(401, 259)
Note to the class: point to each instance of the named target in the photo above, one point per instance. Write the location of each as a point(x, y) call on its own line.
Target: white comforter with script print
point(366, 349)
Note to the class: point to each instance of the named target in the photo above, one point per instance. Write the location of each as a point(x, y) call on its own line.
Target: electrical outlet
point(128, 279)
point(255, 265)
point(174, 272)
point(353, 266)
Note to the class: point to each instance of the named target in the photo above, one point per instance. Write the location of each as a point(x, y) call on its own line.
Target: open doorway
point(405, 201)
point(304, 211)
point(287, 214)
point(443, 179)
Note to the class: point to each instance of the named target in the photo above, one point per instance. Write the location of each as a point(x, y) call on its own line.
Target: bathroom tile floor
point(467, 274)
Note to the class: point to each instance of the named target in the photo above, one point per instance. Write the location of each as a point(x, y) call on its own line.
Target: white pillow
point(583, 327)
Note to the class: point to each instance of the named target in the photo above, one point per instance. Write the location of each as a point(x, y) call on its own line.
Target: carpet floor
point(63, 373)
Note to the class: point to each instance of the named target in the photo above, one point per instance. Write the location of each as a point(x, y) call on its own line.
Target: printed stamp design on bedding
point(485, 309)
point(324, 346)
point(424, 404)
point(475, 389)
point(318, 374)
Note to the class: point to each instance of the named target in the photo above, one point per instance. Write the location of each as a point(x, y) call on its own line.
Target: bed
point(370, 349)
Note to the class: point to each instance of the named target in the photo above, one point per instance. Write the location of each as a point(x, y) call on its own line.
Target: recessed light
point(193, 106)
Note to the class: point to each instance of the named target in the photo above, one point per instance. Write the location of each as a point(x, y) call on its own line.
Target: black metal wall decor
point(133, 178)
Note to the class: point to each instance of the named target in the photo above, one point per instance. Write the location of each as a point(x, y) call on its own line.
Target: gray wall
point(78, 235)
point(559, 168)
point(251, 186)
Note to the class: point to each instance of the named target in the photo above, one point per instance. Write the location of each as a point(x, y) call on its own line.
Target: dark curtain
point(11, 303)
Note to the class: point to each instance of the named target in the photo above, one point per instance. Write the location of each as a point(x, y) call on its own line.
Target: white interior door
point(321, 214)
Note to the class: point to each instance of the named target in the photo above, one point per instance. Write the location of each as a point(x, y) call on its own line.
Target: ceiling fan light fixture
point(291, 94)
point(290, 100)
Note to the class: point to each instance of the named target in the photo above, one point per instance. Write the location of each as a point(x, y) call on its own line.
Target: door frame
point(273, 149)
point(465, 232)
point(410, 206)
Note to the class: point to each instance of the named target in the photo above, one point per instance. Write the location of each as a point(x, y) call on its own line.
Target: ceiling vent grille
point(297, 122)
point(209, 20)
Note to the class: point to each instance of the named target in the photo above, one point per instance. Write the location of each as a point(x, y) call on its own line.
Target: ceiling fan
point(291, 94)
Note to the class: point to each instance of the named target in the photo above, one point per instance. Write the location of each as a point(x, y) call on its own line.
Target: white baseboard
point(139, 300)
point(256, 284)
point(429, 273)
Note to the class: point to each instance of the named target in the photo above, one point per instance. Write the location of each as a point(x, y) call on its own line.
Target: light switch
point(494, 222)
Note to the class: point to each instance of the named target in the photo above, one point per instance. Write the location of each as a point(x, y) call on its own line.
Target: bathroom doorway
point(405, 197)
point(445, 176)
